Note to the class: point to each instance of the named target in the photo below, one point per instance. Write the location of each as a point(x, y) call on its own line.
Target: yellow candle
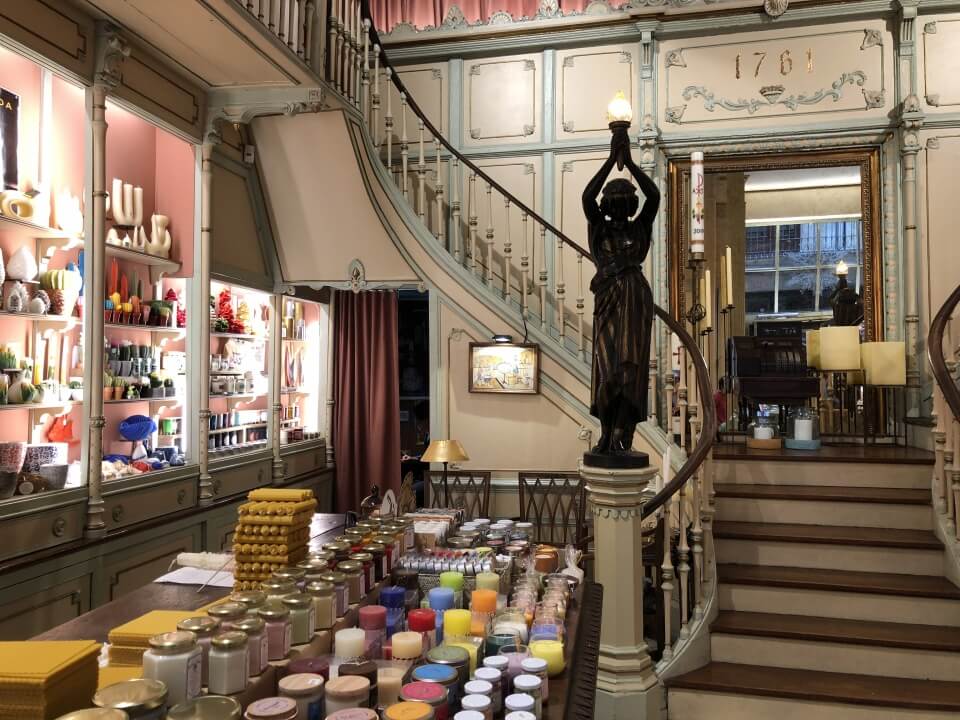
point(708, 302)
point(456, 623)
point(723, 282)
point(466, 645)
point(729, 295)
point(407, 645)
point(552, 652)
point(488, 581)
point(348, 643)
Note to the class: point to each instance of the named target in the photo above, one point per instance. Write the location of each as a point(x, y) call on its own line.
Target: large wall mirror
point(789, 219)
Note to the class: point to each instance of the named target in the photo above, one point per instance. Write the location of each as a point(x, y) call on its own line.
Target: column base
point(631, 703)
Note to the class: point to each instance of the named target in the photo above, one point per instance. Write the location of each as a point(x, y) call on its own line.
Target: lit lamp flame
point(619, 109)
point(842, 268)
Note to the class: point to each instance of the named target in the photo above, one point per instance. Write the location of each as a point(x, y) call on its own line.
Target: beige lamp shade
point(444, 451)
point(884, 363)
point(813, 348)
point(839, 348)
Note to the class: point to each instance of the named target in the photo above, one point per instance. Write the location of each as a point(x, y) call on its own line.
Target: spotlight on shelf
point(500, 338)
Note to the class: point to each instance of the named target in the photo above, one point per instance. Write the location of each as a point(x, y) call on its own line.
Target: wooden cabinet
point(141, 504)
point(138, 564)
point(28, 610)
point(32, 531)
point(240, 478)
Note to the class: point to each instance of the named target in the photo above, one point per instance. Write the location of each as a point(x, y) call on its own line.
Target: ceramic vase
point(160, 240)
point(22, 265)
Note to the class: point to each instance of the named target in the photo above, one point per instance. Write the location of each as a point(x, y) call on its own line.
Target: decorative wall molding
point(357, 275)
point(775, 8)
point(930, 28)
point(481, 107)
point(674, 58)
point(871, 38)
point(112, 51)
point(773, 95)
point(933, 99)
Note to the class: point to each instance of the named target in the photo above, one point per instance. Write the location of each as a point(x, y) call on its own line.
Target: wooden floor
point(828, 453)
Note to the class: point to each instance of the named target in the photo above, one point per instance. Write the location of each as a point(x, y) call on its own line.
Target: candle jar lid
point(368, 523)
point(405, 710)
point(272, 708)
point(208, 707)
point(301, 684)
point(319, 588)
point(459, 542)
point(350, 567)
point(201, 626)
point(448, 655)
point(478, 686)
point(140, 695)
point(95, 714)
point(273, 611)
point(230, 640)
point(435, 673)
point(520, 701)
point(336, 577)
point(384, 540)
point(475, 702)
point(278, 586)
point(348, 687)
point(361, 557)
point(432, 693)
point(336, 547)
point(173, 642)
point(353, 714)
point(356, 531)
point(227, 611)
point(289, 573)
point(250, 625)
point(313, 565)
point(249, 598)
point(375, 548)
point(298, 601)
point(326, 555)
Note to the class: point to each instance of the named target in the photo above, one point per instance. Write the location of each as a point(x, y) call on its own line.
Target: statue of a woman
point(623, 302)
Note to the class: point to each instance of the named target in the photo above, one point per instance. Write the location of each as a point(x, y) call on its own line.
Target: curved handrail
point(935, 352)
point(708, 411)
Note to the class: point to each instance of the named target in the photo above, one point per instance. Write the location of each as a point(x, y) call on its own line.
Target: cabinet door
point(26, 611)
point(141, 504)
point(240, 479)
point(135, 566)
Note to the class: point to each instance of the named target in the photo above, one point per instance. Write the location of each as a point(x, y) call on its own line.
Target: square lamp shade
point(813, 348)
point(444, 451)
point(884, 363)
point(839, 348)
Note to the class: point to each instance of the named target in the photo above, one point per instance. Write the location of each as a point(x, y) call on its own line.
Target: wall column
point(627, 686)
point(202, 269)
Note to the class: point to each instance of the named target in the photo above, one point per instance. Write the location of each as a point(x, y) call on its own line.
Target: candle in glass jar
point(803, 429)
point(552, 652)
point(762, 432)
point(389, 682)
point(348, 643)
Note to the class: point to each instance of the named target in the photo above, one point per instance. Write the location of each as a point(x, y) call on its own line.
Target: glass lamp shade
point(445, 451)
point(839, 348)
point(803, 429)
point(619, 109)
point(884, 363)
point(813, 348)
point(842, 268)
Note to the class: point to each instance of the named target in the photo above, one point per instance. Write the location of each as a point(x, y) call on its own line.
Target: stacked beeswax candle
point(46, 679)
point(272, 532)
point(129, 641)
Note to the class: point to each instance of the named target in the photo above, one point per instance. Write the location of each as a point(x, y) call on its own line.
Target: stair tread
point(839, 580)
point(732, 678)
point(896, 496)
point(827, 534)
point(855, 632)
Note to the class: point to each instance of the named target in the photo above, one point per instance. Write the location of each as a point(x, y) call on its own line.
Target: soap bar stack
point(273, 529)
point(129, 641)
point(46, 679)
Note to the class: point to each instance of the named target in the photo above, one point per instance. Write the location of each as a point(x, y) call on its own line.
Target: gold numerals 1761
point(786, 63)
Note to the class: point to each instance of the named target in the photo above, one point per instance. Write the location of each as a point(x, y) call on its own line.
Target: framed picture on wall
point(505, 367)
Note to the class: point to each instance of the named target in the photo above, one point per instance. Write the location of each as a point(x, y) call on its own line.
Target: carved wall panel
point(53, 30)
point(781, 74)
point(427, 84)
point(502, 100)
point(940, 58)
point(30, 608)
point(586, 80)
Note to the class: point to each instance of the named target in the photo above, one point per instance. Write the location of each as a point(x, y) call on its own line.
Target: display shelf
point(296, 391)
point(304, 326)
point(159, 266)
point(237, 336)
point(64, 405)
point(238, 428)
point(238, 396)
point(26, 230)
point(160, 330)
point(171, 400)
point(232, 449)
point(67, 321)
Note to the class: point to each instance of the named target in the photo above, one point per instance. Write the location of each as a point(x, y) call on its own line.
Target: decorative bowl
point(12, 455)
point(8, 484)
point(44, 454)
point(54, 476)
point(137, 427)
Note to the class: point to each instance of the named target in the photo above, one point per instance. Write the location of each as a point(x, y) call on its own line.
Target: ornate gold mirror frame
point(867, 159)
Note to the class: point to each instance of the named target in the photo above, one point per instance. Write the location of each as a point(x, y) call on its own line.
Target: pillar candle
point(407, 645)
point(723, 282)
point(697, 231)
point(348, 643)
point(701, 294)
point(708, 300)
point(488, 581)
point(389, 682)
point(729, 296)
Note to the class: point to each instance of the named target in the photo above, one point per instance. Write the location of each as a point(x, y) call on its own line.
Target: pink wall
point(69, 119)
point(132, 153)
point(175, 194)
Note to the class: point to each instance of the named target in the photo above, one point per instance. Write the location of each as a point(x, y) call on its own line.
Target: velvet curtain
point(366, 394)
point(431, 13)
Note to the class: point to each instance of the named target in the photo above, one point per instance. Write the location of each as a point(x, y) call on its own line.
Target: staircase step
point(828, 535)
point(855, 632)
point(888, 496)
point(823, 474)
point(929, 586)
point(731, 679)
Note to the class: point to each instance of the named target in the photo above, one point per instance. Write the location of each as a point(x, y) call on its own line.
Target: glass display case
point(148, 265)
point(239, 369)
point(42, 123)
point(302, 325)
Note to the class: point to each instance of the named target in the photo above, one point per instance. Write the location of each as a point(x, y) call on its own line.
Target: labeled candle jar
point(478, 703)
point(277, 589)
point(174, 658)
point(366, 669)
point(229, 663)
point(431, 693)
point(390, 677)
point(252, 600)
point(307, 691)
point(272, 708)
point(389, 551)
point(341, 551)
point(204, 628)
point(340, 595)
point(537, 667)
point(344, 692)
point(324, 603)
point(493, 678)
point(227, 613)
point(278, 629)
point(291, 574)
point(302, 617)
point(140, 699)
point(379, 553)
point(258, 650)
point(353, 572)
point(532, 686)
point(209, 707)
point(369, 573)
point(444, 675)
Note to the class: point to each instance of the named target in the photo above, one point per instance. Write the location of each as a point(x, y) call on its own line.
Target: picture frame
point(504, 368)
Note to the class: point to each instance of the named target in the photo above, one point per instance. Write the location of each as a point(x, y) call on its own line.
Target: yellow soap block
point(128, 655)
point(138, 632)
point(37, 662)
point(113, 674)
point(280, 494)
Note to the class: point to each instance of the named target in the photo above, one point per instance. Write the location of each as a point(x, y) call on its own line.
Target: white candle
point(702, 293)
point(803, 429)
point(728, 299)
point(708, 300)
point(762, 432)
point(348, 643)
point(697, 231)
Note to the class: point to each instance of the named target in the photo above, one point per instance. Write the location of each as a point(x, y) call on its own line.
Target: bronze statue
point(623, 302)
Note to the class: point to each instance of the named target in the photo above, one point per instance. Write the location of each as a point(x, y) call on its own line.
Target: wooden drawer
point(304, 463)
point(139, 504)
point(220, 532)
point(43, 529)
point(138, 564)
point(27, 610)
point(239, 479)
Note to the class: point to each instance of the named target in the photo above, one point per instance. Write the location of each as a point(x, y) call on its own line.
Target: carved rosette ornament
point(775, 8)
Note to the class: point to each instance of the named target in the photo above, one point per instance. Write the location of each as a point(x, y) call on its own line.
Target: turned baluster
point(333, 37)
point(388, 117)
point(682, 397)
point(357, 60)
point(306, 28)
point(581, 341)
point(404, 148)
point(260, 13)
point(421, 179)
point(524, 265)
point(938, 443)
point(283, 18)
point(293, 17)
point(507, 252)
point(473, 221)
point(489, 236)
point(683, 560)
point(455, 230)
point(696, 534)
point(652, 384)
point(273, 9)
point(667, 574)
point(348, 50)
point(668, 393)
point(441, 218)
point(955, 478)
point(375, 98)
point(543, 278)
point(249, 6)
point(561, 292)
point(365, 77)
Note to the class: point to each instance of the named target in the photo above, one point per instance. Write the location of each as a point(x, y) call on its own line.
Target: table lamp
point(884, 363)
point(445, 451)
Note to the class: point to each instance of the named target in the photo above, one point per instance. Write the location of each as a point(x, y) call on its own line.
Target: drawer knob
point(59, 527)
point(117, 513)
point(215, 485)
point(181, 496)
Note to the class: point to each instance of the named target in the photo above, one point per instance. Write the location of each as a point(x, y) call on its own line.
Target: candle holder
point(697, 312)
point(803, 429)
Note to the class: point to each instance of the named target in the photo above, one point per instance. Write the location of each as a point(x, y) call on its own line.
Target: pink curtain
point(366, 394)
point(431, 13)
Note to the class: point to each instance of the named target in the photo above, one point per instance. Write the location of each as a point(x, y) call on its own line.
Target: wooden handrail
point(935, 352)
point(706, 408)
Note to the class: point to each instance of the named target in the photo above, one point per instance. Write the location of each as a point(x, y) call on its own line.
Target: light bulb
point(619, 109)
point(842, 268)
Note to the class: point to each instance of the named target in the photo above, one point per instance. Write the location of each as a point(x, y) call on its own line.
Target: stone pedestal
point(627, 686)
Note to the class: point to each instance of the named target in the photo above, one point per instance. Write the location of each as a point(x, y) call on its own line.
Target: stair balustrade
point(293, 22)
point(943, 354)
point(455, 200)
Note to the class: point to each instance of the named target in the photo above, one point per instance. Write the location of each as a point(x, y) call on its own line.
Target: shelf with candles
point(301, 324)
